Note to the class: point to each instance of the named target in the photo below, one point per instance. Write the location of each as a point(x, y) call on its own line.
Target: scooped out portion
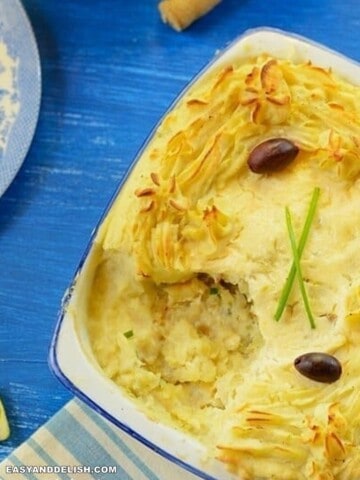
point(189, 265)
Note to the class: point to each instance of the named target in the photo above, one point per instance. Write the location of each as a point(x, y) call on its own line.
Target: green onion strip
point(298, 268)
point(297, 255)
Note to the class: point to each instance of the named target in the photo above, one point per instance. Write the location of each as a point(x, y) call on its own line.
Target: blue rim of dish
point(17, 33)
point(53, 360)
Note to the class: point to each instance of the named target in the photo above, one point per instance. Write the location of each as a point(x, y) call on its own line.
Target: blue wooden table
point(110, 69)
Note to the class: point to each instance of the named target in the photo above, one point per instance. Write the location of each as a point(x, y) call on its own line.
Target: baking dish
point(71, 357)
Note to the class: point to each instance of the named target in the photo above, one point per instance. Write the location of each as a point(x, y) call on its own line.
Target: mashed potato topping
point(190, 262)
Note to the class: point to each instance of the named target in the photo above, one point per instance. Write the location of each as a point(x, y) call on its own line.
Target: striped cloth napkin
point(79, 444)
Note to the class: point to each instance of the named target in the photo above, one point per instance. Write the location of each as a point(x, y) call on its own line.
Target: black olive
point(272, 155)
point(318, 366)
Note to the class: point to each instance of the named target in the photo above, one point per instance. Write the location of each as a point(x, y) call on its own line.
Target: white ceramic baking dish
point(71, 358)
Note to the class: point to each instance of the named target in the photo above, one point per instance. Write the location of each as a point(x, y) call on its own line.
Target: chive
point(298, 268)
point(129, 334)
point(304, 235)
point(214, 291)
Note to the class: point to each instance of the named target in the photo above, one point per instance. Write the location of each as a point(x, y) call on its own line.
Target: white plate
point(17, 35)
point(70, 355)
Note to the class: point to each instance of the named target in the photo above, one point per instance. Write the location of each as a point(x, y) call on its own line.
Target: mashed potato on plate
point(190, 263)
